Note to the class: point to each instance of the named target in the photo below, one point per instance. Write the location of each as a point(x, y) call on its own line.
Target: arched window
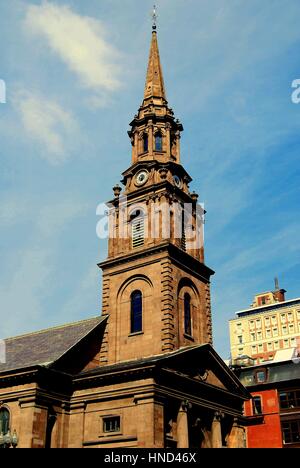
point(158, 141)
point(145, 142)
point(136, 313)
point(187, 315)
point(4, 421)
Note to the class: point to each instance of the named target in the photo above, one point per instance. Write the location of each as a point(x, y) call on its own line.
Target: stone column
point(76, 425)
point(168, 140)
point(216, 430)
point(182, 425)
point(236, 437)
point(135, 142)
point(33, 423)
point(150, 139)
point(178, 147)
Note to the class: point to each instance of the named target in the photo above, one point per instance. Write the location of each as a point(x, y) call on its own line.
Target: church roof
point(45, 346)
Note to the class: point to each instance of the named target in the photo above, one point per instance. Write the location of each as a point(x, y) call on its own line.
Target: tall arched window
point(158, 141)
point(4, 421)
point(187, 315)
point(136, 312)
point(145, 142)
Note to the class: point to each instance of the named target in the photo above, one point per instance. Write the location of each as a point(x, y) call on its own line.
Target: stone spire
point(154, 87)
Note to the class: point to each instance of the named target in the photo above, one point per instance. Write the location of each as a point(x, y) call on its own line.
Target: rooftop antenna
point(276, 284)
point(154, 18)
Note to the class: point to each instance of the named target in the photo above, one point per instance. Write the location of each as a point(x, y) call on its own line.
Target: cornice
point(183, 259)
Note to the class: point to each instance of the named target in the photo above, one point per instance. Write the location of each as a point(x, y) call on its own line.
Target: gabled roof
point(46, 346)
point(182, 359)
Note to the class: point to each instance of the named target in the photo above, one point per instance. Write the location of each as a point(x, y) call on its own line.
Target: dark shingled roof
point(45, 346)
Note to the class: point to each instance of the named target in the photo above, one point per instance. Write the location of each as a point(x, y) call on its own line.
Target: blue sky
point(75, 74)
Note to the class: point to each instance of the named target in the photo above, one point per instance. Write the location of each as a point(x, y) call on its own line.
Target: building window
point(267, 321)
point(259, 335)
point(187, 315)
point(252, 336)
point(251, 324)
point(138, 231)
point(283, 318)
point(270, 346)
point(256, 405)
point(145, 142)
point(239, 326)
point(298, 314)
point(4, 420)
point(289, 400)
point(284, 330)
point(260, 376)
point(158, 141)
point(274, 320)
point(260, 348)
point(275, 331)
point(268, 333)
point(240, 351)
point(291, 328)
point(136, 313)
point(291, 432)
point(285, 343)
point(111, 424)
point(253, 349)
point(293, 342)
point(258, 323)
point(290, 316)
point(276, 344)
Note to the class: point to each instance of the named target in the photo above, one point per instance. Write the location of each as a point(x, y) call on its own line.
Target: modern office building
point(270, 324)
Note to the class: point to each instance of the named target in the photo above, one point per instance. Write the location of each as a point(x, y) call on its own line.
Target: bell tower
point(156, 286)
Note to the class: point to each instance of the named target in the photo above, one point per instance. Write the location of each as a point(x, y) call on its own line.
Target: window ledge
point(136, 333)
point(189, 337)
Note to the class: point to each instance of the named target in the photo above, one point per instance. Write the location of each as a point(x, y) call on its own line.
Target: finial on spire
point(154, 18)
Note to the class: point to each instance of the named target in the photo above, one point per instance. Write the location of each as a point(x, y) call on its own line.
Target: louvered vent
point(138, 232)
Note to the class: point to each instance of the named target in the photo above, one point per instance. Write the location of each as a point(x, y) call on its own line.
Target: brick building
point(270, 324)
point(144, 373)
point(274, 412)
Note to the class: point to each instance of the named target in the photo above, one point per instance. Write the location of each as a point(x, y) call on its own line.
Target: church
point(144, 373)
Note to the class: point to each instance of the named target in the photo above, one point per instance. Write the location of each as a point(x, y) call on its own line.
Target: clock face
point(141, 177)
point(177, 181)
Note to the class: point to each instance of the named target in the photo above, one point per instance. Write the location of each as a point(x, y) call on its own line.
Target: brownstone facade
point(144, 374)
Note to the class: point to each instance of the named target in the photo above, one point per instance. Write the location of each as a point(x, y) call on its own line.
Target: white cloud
point(48, 124)
point(79, 41)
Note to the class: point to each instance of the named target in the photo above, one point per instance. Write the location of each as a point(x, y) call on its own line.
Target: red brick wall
point(267, 434)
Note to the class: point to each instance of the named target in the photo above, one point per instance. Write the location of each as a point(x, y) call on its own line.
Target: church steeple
point(155, 134)
point(154, 87)
point(155, 282)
